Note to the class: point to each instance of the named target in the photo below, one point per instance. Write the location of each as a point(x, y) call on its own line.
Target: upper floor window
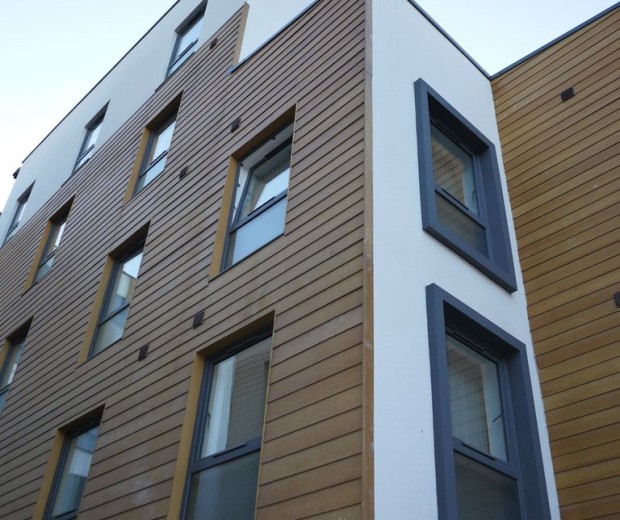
point(52, 239)
point(22, 201)
point(187, 41)
point(90, 139)
point(487, 452)
point(118, 296)
point(154, 159)
point(72, 472)
point(14, 348)
point(462, 197)
point(259, 202)
point(223, 472)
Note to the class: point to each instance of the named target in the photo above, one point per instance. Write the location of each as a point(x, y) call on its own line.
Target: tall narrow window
point(187, 42)
point(156, 153)
point(462, 198)
point(223, 473)
point(19, 213)
point(259, 204)
point(52, 241)
point(488, 455)
point(90, 140)
point(72, 473)
point(115, 309)
point(15, 348)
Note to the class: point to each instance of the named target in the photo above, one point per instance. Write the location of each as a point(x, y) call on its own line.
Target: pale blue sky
point(53, 52)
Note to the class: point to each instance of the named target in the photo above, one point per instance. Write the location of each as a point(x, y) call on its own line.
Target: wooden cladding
point(310, 279)
point(561, 158)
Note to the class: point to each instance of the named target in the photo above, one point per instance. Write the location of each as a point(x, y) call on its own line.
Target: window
point(223, 471)
point(486, 444)
point(19, 213)
point(72, 472)
point(54, 234)
point(462, 200)
point(259, 201)
point(156, 153)
point(90, 139)
point(119, 293)
point(187, 42)
point(15, 348)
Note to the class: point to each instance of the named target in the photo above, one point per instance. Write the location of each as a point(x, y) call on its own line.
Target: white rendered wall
point(126, 87)
point(405, 47)
point(265, 18)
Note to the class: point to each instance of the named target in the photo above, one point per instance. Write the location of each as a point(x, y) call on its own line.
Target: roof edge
point(556, 40)
point(100, 80)
point(430, 19)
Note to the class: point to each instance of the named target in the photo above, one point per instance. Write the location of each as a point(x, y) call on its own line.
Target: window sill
point(504, 279)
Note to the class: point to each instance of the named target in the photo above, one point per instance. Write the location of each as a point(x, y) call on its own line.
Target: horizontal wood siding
point(562, 161)
point(311, 279)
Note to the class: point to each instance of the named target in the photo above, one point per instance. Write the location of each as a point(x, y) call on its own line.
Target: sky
point(51, 56)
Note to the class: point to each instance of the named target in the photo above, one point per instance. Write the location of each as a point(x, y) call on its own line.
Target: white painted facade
point(406, 47)
point(127, 86)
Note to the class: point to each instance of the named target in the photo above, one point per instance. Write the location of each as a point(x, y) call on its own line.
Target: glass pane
point(475, 401)
point(75, 472)
point(161, 140)
point(44, 268)
point(110, 331)
point(93, 134)
point(124, 283)
point(155, 169)
point(237, 399)
point(257, 232)
point(226, 491)
point(267, 180)
point(453, 168)
point(188, 37)
point(53, 242)
point(56, 235)
point(11, 362)
point(484, 494)
point(461, 225)
point(3, 395)
point(19, 211)
point(86, 154)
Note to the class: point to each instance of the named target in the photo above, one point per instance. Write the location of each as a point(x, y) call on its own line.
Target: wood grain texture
point(562, 161)
point(311, 279)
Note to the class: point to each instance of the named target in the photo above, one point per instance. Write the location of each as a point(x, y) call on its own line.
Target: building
point(557, 113)
point(277, 276)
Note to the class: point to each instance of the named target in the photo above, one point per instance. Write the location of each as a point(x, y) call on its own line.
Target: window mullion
point(259, 211)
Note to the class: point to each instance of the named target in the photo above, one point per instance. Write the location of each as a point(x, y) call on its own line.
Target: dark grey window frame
point(62, 459)
point(17, 340)
point(235, 223)
point(196, 463)
point(96, 121)
point(17, 214)
point(191, 20)
point(139, 247)
point(432, 109)
point(145, 166)
point(447, 314)
point(59, 219)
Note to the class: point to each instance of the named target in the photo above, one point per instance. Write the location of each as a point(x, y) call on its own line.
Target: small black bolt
point(183, 172)
point(567, 94)
point(213, 43)
point(198, 319)
point(235, 124)
point(144, 350)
